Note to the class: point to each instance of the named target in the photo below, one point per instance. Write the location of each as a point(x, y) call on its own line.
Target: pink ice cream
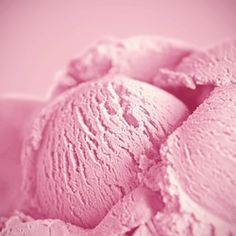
point(202, 153)
point(214, 66)
point(124, 217)
point(86, 146)
point(200, 168)
point(138, 138)
point(138, 57)
point(200, 72)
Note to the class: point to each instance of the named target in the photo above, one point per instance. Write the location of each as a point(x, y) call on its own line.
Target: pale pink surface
point(83, 154)
point(175, 224)
point(39, 37)
point(15, 115)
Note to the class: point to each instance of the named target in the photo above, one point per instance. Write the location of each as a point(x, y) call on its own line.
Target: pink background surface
point(37, 37)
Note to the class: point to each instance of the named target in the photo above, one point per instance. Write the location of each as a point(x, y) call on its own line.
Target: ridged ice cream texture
point(84, 152)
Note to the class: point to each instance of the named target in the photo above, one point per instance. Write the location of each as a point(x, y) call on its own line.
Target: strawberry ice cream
point(202, 154)
point(138, 57)
point(215, 66)
point(85, 148)
point(137, 138)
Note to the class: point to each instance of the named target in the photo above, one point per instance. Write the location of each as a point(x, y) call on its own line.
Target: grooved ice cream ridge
point(137, 137)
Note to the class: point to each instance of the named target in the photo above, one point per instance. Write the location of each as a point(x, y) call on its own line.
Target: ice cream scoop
point(83, 154)
point(198, 73)
point(137, 57)
point(215, 66)
point(201, 154)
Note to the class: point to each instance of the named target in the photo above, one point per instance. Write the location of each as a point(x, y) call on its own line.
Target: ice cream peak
point(215, 66)
point(85, 148)
point(143, 58)
point(137, 57)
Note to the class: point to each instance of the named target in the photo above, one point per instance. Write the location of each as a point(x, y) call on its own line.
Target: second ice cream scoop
point(202, 153)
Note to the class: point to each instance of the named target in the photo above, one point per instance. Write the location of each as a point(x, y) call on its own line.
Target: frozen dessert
point(199, 160)
point(202, 154)
point(141, 58)
point(138, 57)
point(214, 66)
point(137, 138)
point(85, 149)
